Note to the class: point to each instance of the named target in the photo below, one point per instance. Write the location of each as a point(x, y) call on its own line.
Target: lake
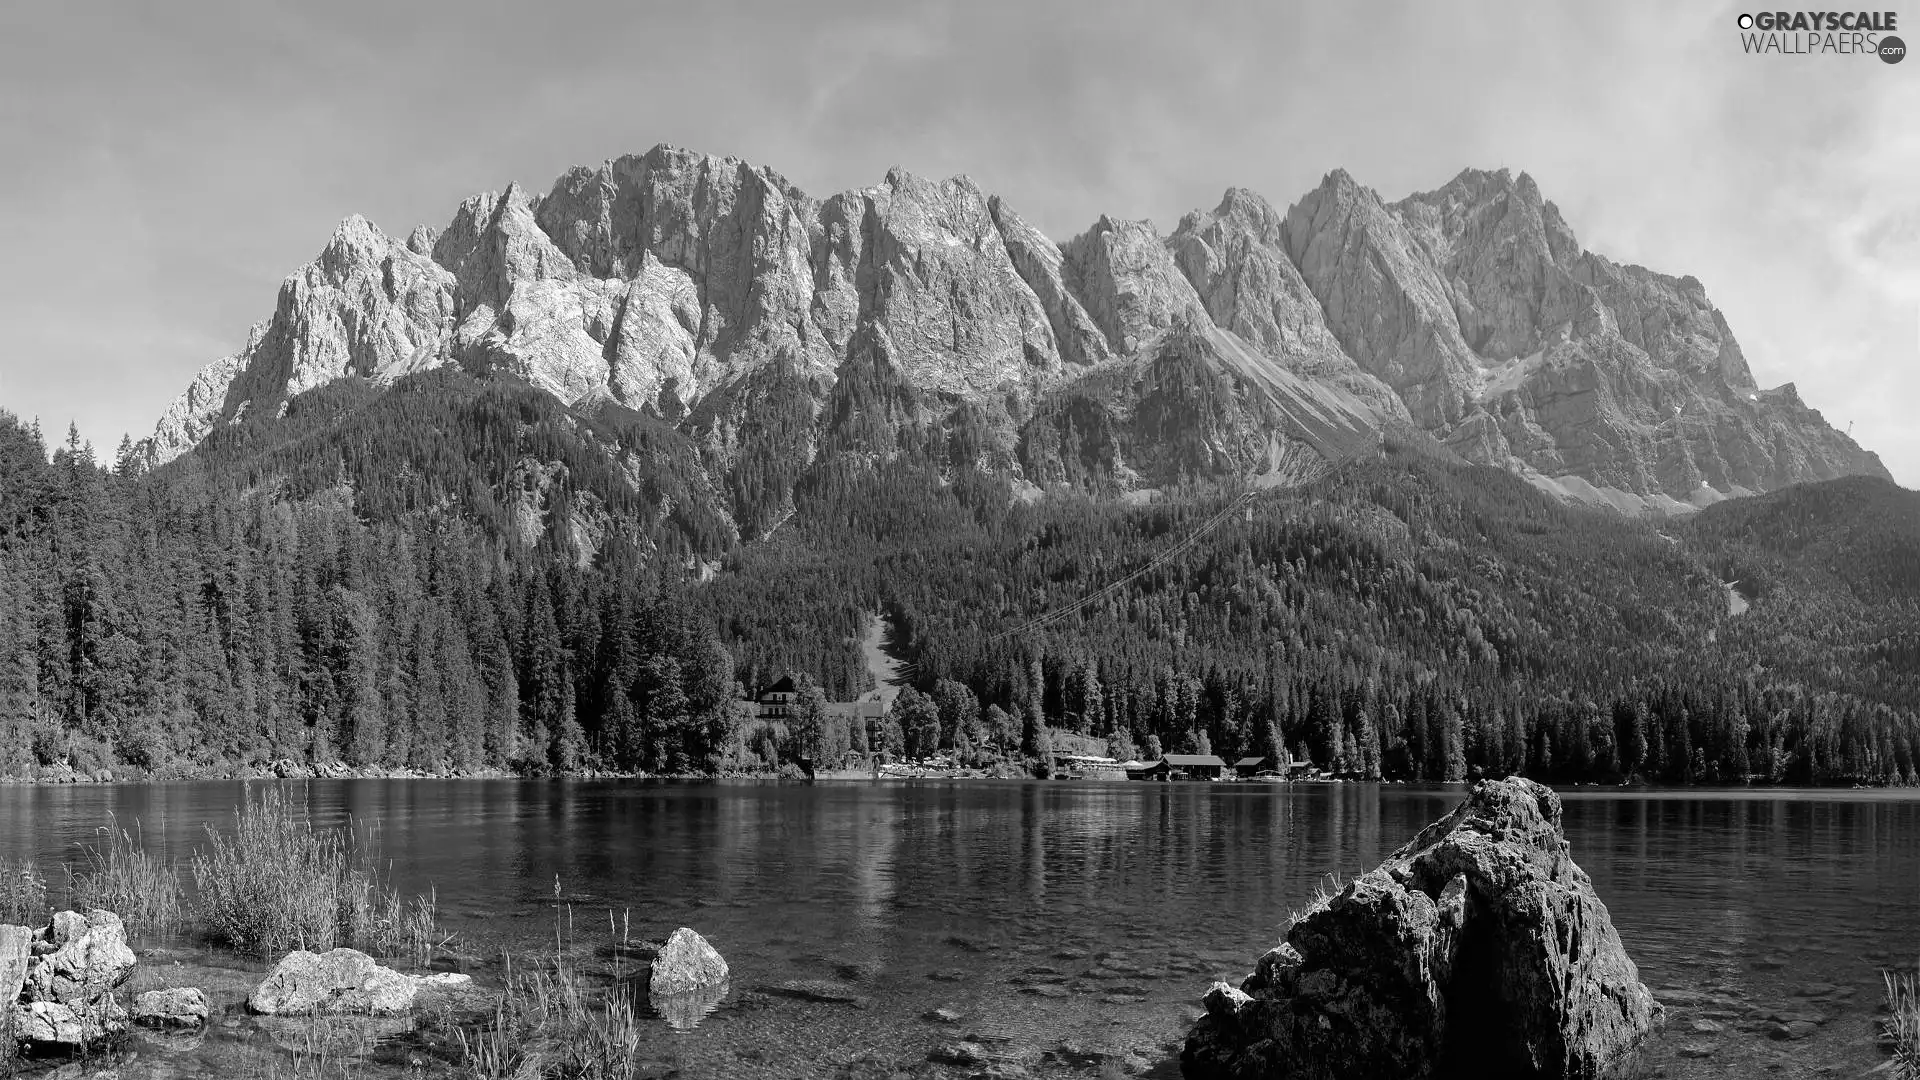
point(1072, 927)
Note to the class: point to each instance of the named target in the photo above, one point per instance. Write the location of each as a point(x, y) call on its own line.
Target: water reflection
point(1039, 911)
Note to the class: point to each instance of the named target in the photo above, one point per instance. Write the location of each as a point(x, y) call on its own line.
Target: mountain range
point(771, 329)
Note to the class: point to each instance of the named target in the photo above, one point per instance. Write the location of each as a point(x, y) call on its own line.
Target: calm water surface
point(1072, 926)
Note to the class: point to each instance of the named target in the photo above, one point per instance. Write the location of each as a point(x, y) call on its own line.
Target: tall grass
point(1323, 893)
point(277, 883)
point(550, 1022)
point(143, 889)
point(23, 894)
point(1903, 1026)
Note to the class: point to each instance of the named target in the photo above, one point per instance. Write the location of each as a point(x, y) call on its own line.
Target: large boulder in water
point(685, 964)
point(79, 958)
point(336, 981)
point(1478, 949)
point(57, 984)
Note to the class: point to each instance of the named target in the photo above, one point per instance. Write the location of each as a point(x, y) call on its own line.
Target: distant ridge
point(717, 296)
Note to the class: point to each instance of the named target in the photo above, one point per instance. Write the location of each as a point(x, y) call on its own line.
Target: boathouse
point(1181, 767)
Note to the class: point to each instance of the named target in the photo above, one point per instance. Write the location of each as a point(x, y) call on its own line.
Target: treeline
point(1405, 618)
point(182, 623)
point(457, 575)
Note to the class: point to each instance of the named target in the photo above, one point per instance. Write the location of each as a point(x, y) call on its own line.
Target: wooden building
point(776, 701)
point(1182, 767)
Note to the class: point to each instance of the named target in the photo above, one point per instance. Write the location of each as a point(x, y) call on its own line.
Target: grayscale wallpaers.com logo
point(1824, 33)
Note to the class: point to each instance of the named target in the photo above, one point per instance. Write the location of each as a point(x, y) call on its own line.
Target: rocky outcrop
point(62, 979)
point(1478, 949)
point(1517, 348)
point(771, 327)
point(1236, 258)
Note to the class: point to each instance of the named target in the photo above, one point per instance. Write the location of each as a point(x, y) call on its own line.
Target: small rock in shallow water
point(1792, 1029)
point(820, 991)
point(961, 1053)
point(945, 1014)
point(178, 1007)
point(1696, 1051)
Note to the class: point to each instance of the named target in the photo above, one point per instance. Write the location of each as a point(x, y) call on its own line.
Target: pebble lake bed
point(942, 929)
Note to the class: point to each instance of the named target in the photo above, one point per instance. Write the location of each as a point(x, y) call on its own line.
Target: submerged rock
point(181, 1007)
point(1477, 949)
point(686, 962)
point(338, 981)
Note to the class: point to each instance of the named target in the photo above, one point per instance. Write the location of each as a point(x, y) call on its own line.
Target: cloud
point(187, 157)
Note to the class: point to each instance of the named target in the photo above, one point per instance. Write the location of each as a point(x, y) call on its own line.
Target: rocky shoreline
point(340, 771)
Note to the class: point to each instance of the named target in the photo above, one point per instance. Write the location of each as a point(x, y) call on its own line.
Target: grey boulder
point(686, 963)
point(181, 1007)
point(57, 983)
point(1477, 949)
point(338, 981)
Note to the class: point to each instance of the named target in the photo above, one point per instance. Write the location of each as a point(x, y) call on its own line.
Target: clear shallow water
point(1071, 926)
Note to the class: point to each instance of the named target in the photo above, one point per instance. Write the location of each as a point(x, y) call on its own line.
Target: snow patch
point(1498, 379)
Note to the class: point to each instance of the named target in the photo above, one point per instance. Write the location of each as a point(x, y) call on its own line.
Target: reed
point(1323, 893)
point(122, 877)
point(277, 883)
point(23, 894)
point(551, 1022)
point(1903, 1024)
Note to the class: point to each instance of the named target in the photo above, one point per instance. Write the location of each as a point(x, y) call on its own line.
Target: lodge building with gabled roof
point(1181, 767)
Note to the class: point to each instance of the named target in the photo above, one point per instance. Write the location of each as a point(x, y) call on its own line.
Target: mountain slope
point(769, 327)
point(1518, 349)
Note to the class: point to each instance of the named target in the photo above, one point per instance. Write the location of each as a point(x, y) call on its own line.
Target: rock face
point(1478, 949)
point(337, 981)
point(1517, 348)
point(719, 297)
point(62, 978)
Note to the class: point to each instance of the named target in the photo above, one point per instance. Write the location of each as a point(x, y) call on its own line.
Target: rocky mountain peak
point(708, 290)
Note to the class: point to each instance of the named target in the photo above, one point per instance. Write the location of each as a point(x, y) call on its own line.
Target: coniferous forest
point(454, 575)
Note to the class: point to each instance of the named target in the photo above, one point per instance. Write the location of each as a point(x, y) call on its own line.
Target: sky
point(164, 166)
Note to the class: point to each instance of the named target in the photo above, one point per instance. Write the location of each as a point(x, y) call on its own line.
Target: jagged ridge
point(716, 295)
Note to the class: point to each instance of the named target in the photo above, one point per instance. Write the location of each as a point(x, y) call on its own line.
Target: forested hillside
point(456, 574)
